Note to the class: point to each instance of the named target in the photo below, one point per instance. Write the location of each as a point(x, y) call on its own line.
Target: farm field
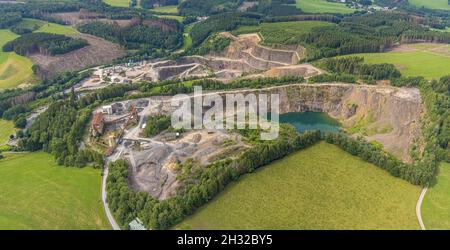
point(436, 205)
point(39, 194)
point(447, 29)
point(323, 6)
point(7, 129)
point(281, 32)
point(428, 60)
point(321, 187)
point(55, 28)
point(187, 39)
point(118, 3)
point(14, 69)
point(431, 4)
point(47, 27)
point(169, 9)
point(178, 18)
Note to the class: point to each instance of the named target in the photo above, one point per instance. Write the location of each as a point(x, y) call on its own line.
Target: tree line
point(220, 22)
point(45, 43)
point(140, 36)
point(209, 181)
point(354, 65)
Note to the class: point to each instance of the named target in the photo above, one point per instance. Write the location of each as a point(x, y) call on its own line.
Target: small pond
point(305, 121)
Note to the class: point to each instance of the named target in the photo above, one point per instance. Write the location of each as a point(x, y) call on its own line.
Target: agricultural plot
point(187, 39)
point(323, 6)
point(59, 29)
point(32, 24)
point(14, 69)
point(46, 27)
point(281, 32)
point(174, 17)
point(118, 3)
point(6, 129)
point(321, 187)
point(431, 4)
point(38, 194)
point(436, 205)
point(423, 59)
point(169, 9)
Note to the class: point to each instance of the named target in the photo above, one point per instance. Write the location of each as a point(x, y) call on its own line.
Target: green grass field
point(118, 3)
point(55, 28)
point(187, 39)
point(436, 205)
point(323, 6)
point(427, 60)
point(431, 4)
point(6, 129)
point(46, 27)
point(281, 32)
point(321, 187)
point(178, 18)
point(14, 69)
point(38, 194)
point(169, 9)
point(30, 23)
point(447, 29)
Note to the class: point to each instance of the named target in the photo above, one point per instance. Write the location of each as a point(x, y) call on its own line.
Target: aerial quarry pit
point(225, 115)
point(388, 115)
point(244, 57)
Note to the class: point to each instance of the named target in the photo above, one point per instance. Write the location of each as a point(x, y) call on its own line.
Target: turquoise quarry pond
point(311, 121)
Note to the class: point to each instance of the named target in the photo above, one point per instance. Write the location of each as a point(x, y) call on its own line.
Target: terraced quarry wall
point(386, 114)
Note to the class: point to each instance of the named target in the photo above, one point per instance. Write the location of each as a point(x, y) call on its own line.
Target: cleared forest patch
point(99, 51)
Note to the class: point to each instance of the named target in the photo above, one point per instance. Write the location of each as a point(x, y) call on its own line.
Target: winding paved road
point(418, 206)
point(109, 215)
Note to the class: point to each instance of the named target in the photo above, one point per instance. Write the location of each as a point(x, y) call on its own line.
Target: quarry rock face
point(386, 114)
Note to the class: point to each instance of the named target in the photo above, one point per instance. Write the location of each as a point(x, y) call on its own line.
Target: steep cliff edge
point(385, 114)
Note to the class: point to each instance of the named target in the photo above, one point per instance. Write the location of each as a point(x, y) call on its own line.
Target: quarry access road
point(108, 213)
point(418, 208)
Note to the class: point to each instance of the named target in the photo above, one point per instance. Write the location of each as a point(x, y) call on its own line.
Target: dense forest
point(8, 19)
point(156, 124)
point(214, 43)
point(44, 43)
point(163, 35)
point(355, 66)
point(365, 33)
point(207, 7)
point(221, 22)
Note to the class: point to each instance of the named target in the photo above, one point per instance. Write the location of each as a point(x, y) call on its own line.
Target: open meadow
point(14, 69)
point(321, 187)
point(59, 29)
point(423, 59)
point(169, 9)
point(118, 3)
point(431, 4)
point(436, 205)
point(323, 6)
point(6, 129)
point(36, 193)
